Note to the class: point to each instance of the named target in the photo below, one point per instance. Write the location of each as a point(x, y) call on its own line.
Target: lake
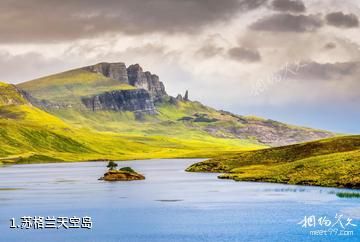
point(170, 205)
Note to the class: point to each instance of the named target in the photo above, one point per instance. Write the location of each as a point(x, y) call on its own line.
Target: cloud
point(341, 20)
point(330, 46)
point(340, 72)
point(252, 4)
point(23, 67)
point(26, 66)
point(311, 83)
point(288, 23)
point(296, 6)
point(244, 54)
point(56, 21)
point(213, 45)
point(209, 51)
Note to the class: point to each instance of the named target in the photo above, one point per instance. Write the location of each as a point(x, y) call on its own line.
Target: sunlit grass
point(30, 135)
point(332, 162)
point(68, 87)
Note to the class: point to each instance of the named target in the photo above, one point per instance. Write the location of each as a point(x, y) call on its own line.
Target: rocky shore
point(122, 175)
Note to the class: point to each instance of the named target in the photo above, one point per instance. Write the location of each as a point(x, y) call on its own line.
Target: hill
point(66, 88)
point(110, 97)
point(29, 134)
point(333, 162)
point(27, 130)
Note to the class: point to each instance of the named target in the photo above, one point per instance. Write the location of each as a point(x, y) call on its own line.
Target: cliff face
point(152, 89)
point(150, 82)
point(138, 100)
point(133, 75)
point(96, 92)
point(116, 71)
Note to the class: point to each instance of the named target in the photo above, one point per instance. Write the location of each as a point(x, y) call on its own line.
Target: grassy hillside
point(29, 134)
point(68, 87)
point(331, 162)
point(10, 95)
point(190, 120)
point(69, 131)
point(26, 130)
point(61, 96)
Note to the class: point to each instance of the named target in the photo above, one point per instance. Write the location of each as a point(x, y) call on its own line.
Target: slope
point(29, 134)
point(63, 95)
point(331, 162)
point(66, 88)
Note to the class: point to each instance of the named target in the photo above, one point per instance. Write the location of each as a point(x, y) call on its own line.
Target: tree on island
point(111, 165)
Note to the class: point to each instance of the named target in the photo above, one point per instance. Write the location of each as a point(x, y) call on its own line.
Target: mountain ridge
point(113, 112)
point(102, 88)
point(29, 134)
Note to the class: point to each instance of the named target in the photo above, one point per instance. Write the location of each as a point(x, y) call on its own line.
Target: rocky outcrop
point(138, 100)
point(179, 97)
point(266, 132)
point(121, 175)
point(186, 96)
point(149, 89)
point(150, 82)
point(134, 75)
point(116, 71)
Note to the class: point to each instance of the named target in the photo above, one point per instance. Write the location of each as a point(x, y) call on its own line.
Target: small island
point(123, 174)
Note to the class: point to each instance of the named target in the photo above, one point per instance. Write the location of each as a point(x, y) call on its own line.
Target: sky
point(295, 61)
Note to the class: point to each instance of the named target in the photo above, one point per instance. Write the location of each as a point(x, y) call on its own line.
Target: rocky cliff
point(150, 82)
point(137, 100)
point(116, 71)
point(133, 75)
point(103, 86)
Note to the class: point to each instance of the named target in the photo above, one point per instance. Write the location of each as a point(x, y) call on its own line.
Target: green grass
point(331, 162)
point(10, 189)
point(128, 169)
point(10, 95)
point(124, 123)
point(30, 135)
point(68, 87)
point(208, 126)
point(165, 125)
point(348, 194)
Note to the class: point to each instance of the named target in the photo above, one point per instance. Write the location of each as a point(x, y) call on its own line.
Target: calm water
point(170, 205)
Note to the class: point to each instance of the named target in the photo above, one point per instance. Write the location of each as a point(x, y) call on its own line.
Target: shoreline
point(3, 164)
